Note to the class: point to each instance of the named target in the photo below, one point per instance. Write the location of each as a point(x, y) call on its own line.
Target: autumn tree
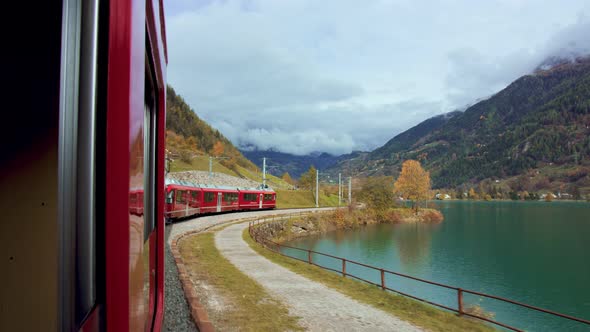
point(217, 149)
point(307, 179)
point(377, 193)
point(287, 178)
point(413, 182)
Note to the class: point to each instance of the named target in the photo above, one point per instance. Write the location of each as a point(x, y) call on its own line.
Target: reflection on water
point(413, 245)
point(537, 253)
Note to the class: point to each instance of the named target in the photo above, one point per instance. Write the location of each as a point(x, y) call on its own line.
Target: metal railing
point(276, 247)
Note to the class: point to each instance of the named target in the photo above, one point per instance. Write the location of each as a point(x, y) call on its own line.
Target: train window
point(147, 285)
point(230, 197)
point(209, 197)
point(180, 196)
point(194, 195)
point(170, 197)
point(268, 197)
point(250, 197)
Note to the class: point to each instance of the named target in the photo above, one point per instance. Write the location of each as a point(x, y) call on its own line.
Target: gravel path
point(320, 308)
point(176, 312)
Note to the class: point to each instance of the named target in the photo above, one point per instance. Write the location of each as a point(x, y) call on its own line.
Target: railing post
point(382, 279)
point(344, 267)
point(309, 256)
point(460, 301)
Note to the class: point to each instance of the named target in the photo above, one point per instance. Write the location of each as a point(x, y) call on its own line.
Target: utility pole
point(339, 188)
point(210, 167)
point(350, 190)
point(317, 191)
point(211, 164)
point(263, 173)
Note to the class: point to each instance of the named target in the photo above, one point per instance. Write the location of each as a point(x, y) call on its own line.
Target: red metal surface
point(157, 40)
point(117, 166)
point(92, 322)
point(125, 299)
point(460, 291)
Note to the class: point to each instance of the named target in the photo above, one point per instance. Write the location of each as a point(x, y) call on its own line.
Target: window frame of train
point(180, 196)
point(170, 196)
point(209, 197)
point(230, 197)
point(249, 197)
point(268, 197)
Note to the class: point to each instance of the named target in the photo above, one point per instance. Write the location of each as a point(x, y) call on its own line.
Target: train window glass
point(180, 198)
point(194, 195)
point(250, 197)
point(209, 197)
point(149, 172)
point(268, 197)
point(170, 197)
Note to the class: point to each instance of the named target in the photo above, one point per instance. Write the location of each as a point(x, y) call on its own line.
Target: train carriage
point(219, 199)
point(185, 199)
point(82, 184)
point(182, 201)
point(269, 199)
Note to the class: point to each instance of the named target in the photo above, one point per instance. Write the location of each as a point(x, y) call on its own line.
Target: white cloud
point(336, 76)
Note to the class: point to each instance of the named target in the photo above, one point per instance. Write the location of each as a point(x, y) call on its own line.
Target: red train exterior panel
point(135, 252)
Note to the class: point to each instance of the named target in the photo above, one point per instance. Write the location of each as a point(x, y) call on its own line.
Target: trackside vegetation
point(245, 306)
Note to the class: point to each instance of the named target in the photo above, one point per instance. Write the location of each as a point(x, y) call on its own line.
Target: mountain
point(189, 137)
point(410, 137)
point(540, 120)
point(278, 162)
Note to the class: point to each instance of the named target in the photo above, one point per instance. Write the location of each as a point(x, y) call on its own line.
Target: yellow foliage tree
point(307, 179)
point(472, 194)
point(287, 178)
point(413, 182)
point(218, 149)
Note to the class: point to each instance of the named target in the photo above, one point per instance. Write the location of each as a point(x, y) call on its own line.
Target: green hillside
point(304, 198)
point(189, 138)
point(190, 142)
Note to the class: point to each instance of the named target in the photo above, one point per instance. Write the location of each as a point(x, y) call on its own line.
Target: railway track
point(177, 315)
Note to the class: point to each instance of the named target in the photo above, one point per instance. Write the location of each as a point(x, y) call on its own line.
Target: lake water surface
point(533, 252)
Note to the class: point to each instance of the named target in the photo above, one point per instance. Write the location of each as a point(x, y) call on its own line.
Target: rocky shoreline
point(319, 223)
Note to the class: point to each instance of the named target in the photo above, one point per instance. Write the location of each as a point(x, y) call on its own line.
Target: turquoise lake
point(532, 252)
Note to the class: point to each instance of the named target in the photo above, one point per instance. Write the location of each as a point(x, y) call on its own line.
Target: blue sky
point(342, 75)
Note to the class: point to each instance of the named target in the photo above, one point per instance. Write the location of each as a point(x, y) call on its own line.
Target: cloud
point(475, 74)
point(336, 76)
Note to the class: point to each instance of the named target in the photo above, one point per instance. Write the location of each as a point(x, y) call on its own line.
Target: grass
point(200, 163)
point(250, 307)
point(404, 308)
point(302, 199)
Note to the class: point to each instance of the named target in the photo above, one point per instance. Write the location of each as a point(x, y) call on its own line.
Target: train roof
point(211, 186)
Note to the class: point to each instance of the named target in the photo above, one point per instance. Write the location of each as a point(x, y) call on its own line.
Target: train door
point(260, 202)
point(219, 201)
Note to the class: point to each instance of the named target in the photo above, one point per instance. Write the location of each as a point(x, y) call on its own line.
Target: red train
point(82, 169)
point(184, 199)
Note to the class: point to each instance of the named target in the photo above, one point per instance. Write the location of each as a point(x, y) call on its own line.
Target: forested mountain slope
point(188, 137)
point(539, 120)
